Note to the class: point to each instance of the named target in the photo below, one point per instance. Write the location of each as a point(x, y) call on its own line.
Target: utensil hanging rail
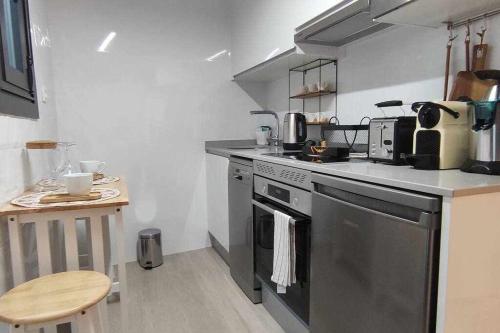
point(473, 19)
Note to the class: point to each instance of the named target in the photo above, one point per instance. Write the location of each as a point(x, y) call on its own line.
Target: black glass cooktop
point(299, 156)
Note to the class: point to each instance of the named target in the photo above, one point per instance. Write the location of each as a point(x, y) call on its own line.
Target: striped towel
point(284, 252)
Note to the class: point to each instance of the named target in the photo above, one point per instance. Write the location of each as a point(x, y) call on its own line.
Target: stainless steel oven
point(272, 195)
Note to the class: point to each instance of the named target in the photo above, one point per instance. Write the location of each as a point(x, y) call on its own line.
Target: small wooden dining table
point(96, 212)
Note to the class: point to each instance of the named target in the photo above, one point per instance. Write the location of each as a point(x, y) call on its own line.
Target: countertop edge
point(405, 185)
point(218, 151)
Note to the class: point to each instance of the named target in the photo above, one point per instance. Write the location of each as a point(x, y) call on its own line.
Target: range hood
point(347, 21)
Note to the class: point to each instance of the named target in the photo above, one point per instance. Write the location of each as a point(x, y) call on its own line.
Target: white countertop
point(448, 183)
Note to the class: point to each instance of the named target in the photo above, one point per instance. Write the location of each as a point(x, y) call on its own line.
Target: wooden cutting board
point(66, 197)
point(479, 54)
point(467, 84)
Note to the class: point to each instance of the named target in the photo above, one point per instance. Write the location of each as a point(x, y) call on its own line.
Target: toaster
point(391, 139)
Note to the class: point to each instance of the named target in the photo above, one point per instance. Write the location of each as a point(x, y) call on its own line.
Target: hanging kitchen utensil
point(480, 51)
point(448, 55)
point(468, 86)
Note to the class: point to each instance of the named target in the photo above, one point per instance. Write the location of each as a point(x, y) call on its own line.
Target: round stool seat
point(53, 297)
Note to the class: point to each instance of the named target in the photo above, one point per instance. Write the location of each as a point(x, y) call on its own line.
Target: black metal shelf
point(317, 64)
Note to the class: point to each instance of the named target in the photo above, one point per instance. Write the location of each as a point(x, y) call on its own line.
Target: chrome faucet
point(275, 139)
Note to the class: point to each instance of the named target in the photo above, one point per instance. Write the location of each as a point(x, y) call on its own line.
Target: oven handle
point(269, 210)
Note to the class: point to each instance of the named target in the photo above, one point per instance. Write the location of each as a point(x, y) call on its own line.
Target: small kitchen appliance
point(294, 131)
point(441, 139)
point(391, 139)
point(484, 153)
point(484, 149)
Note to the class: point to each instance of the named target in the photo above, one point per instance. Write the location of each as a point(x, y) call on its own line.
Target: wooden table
point(67, 215)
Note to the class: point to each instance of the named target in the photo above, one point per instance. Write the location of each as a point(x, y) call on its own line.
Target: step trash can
point(149, 253)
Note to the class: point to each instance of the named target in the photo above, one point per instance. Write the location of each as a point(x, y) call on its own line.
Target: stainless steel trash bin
point(149, 253)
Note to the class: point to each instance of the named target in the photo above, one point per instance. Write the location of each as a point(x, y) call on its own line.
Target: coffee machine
point(441, 138)
point(294, 131)
point(484, 150)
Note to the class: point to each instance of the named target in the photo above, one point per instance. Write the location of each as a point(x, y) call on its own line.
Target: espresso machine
point(441, 138)
point(484, 138)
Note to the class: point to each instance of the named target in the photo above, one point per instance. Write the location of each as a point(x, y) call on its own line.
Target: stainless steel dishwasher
point(241, 248)
point(374, 258)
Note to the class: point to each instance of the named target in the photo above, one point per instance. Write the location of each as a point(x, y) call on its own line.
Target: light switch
point(45, 95)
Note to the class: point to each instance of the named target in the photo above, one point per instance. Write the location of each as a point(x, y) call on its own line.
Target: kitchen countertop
point(447, 183)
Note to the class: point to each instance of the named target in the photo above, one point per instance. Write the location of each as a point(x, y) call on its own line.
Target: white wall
point(149, 103)
point(403, 63)
point(21, 169)
point(400, 63)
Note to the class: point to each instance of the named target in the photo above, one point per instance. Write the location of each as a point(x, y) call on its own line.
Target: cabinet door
point(217, 198)
point(262, 29)
point(16, 58)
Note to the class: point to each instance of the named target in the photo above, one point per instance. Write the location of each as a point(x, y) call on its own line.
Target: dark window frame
point(18, 90)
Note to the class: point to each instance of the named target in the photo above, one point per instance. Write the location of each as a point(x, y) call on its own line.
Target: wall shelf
point(316, 66)
point(313, 94)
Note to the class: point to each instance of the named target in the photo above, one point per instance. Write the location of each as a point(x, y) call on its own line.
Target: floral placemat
point(52, 183)
point(106, 180)
point(33, 200)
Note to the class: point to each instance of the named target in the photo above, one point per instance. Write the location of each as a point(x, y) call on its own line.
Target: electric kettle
point(294, 131)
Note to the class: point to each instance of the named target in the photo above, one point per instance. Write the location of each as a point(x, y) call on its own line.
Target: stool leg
point(90, 321)
point(16, 250)
point(83, 322)
point(96, 318)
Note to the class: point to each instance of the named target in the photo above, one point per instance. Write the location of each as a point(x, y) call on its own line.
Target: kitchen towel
point(284, 252)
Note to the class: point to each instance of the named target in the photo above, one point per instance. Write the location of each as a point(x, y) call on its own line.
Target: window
point(17, 85)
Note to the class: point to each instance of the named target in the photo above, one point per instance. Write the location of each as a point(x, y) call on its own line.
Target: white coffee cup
point(313, 87)
point(78, 183)
point(92, 166)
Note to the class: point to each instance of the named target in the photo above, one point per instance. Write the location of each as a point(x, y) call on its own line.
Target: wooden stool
point(55, 299)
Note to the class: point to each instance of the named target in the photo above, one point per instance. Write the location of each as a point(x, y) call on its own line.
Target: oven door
point(296, 296)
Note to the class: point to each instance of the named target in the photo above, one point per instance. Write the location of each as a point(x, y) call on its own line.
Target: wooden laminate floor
point(191, 292)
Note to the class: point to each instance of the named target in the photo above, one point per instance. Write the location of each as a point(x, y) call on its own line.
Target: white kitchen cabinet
point(217, 198)
point(262, 29)
point(432, 13)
